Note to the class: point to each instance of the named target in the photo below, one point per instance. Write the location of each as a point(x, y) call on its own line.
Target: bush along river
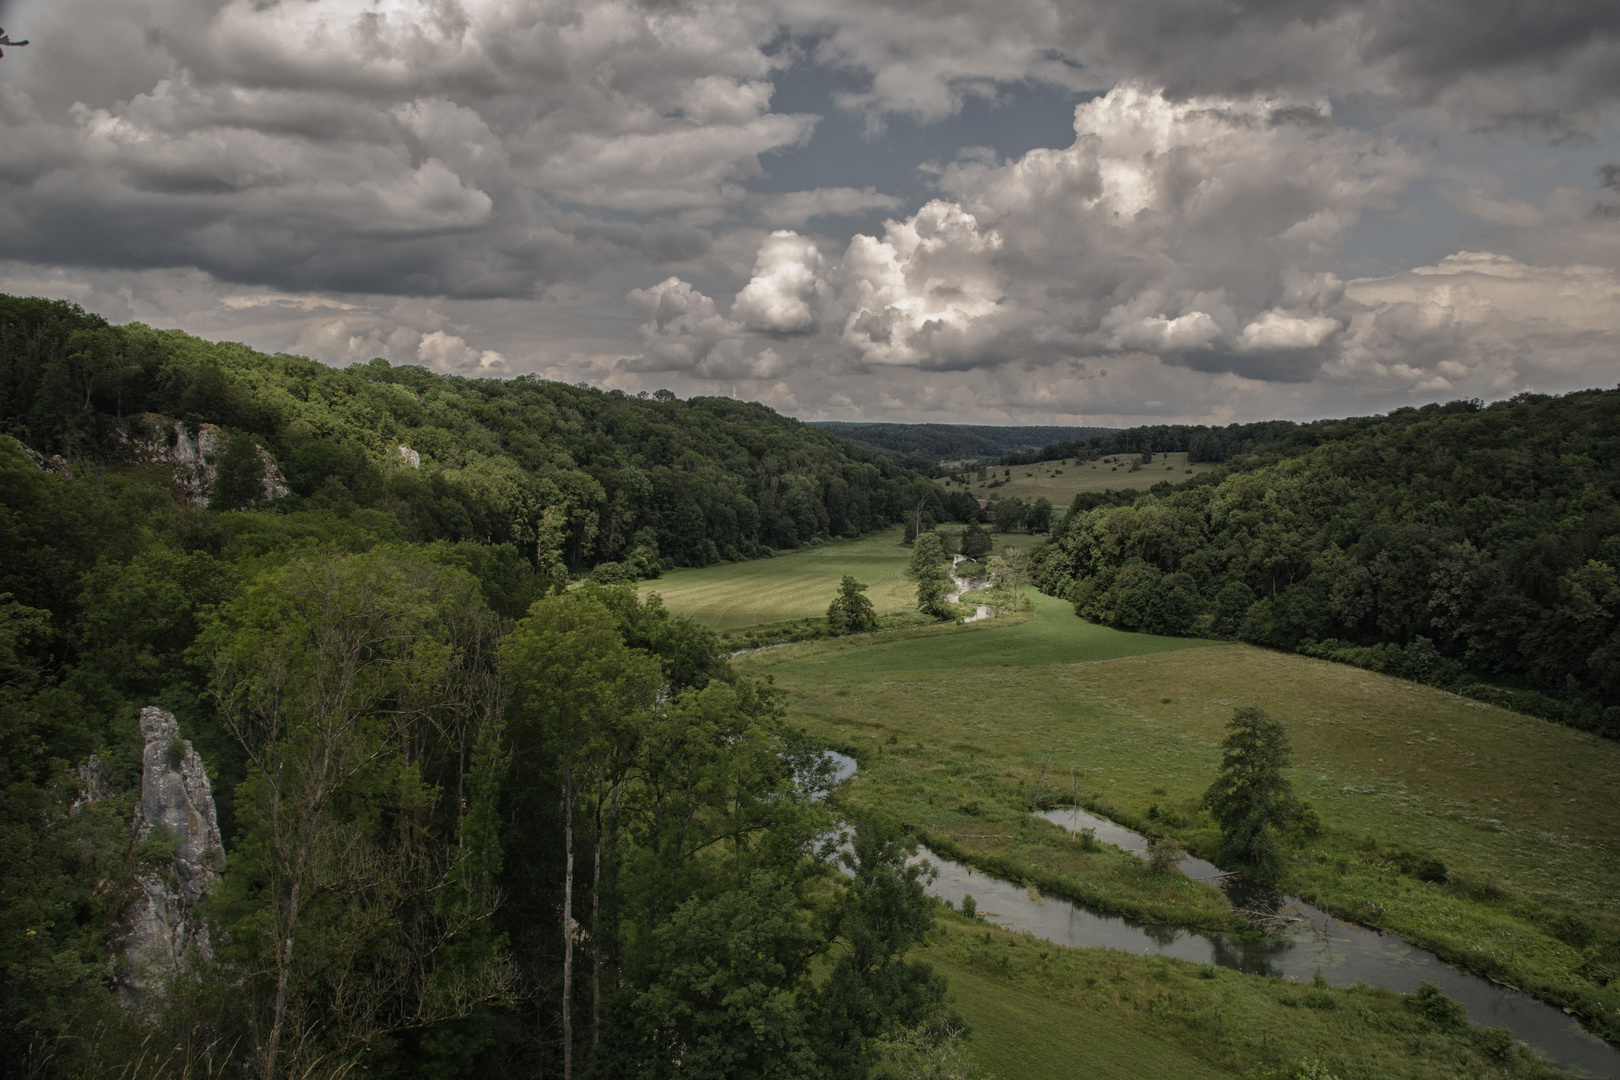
point(1313, 940)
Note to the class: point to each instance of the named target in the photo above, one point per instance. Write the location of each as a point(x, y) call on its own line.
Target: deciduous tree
point(851, 611)
point(927, 568)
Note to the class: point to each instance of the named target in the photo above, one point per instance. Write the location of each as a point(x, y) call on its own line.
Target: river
point(1344, 952)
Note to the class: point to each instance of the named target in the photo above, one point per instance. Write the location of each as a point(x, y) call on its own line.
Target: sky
point(1026, 211)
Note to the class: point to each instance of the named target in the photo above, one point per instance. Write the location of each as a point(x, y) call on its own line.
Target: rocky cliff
point(192, 452)
point(176, 813)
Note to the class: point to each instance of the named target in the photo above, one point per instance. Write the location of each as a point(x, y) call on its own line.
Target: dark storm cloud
point(1501, 64)
point(359, 175)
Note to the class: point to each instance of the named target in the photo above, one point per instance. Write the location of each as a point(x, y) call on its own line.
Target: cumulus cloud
point(449, 352)
point(1200, 231)
point(473, 184)
point(481, 148)
point(785, 294)
point(1478, 323)
point(1199, 235)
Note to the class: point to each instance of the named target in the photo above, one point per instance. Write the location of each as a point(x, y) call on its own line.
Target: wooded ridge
point(1468, 546)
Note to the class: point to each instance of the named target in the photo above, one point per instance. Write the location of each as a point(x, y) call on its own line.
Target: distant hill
point(1473, 547)
point(573, 477)
point(954, 442)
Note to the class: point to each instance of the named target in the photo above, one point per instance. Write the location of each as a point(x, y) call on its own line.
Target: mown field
point(1061, 480)
point(799, 584)
point(952, 725)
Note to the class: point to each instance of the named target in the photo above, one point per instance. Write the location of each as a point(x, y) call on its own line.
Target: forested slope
point(952, 442)
point(473, 822)
point(1469, 546)
point(568, 474)
point(1200, 442)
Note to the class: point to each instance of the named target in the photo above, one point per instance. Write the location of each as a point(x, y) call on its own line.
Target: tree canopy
point(1474, 547)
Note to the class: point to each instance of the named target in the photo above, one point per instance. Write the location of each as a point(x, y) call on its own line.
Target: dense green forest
point(1199, 442)
point(1471, 547)
point(574, 477)
point(470, 821)
point(953, 442)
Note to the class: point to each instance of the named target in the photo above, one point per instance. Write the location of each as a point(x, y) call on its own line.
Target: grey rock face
point(176, 803)
point(56, 464)
point(153, 438)
point(97, 781)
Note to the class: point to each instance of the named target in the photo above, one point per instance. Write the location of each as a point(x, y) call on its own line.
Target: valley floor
point(959, 728)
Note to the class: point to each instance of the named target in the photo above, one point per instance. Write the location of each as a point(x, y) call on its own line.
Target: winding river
point(1344, 952)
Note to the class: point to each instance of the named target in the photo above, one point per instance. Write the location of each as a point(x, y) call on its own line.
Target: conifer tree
point(1250, 796)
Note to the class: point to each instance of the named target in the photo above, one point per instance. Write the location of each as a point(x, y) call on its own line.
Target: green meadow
point(1039, 1012)
point(953, 732)
point(1061, 480)
point(797, 585)
point(959, 728)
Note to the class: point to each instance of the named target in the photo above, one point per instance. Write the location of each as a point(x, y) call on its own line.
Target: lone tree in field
point(976, 542)
point(851, 612)
point(927, 568)
point(1251, 797)
point(1009, 573)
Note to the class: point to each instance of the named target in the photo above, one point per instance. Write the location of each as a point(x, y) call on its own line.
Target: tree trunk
point(568, 925)
point(284, 953)
point(596, 924)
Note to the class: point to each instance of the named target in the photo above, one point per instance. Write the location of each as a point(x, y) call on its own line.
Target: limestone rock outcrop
point(56, 464)
point(153, 439)
point(96, 783)
point(176, 809)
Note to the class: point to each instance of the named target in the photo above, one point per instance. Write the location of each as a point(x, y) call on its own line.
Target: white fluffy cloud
point(785, 294)
point(478, 184)
point(1482, 324)
point(1200, 235)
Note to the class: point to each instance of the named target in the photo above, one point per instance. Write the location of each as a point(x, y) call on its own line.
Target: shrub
point(1431, 1003)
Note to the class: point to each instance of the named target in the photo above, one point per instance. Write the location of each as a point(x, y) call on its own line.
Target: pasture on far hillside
point(800, 584)
point(1061, 480)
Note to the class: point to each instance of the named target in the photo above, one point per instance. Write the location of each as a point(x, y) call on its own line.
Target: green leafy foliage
point(1251, 799)
point(851, 612)
point(1471, 547)
point(389, 790)
point(573, 477)
point(928, 568)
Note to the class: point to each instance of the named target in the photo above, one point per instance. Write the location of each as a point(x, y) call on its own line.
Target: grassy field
point(952, 725)
point(798, 584)
point(1040, 1012)
point(952, 730)
point(1061, 481)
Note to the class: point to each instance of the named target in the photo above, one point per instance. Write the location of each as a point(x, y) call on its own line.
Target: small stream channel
point(962, 585)
point(1344, 952)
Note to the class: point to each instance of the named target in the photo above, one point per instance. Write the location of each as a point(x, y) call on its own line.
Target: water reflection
point(1345, 953)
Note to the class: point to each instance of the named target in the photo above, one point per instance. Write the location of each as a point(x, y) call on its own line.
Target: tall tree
point(1250, 796)
point(872, 989)
point(579, 697)
point(1009, 573)
point(324, 671)
point(928, 568)
point(1039, 516)
point(976, 542)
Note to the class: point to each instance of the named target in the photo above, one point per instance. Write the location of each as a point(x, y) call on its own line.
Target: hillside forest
point(1468, 546)
point(485, 809)
point(930, 444)
point(469, 821)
